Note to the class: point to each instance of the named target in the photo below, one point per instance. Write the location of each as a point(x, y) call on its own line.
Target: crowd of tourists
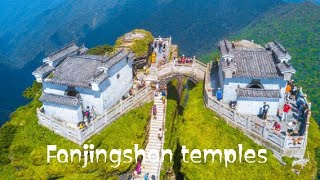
point(298, 107)
point(160, 45)
point(293, 113)
point(88, 116)
point(183, 60)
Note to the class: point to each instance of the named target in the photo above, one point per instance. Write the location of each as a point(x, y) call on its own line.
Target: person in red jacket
point(286, 109)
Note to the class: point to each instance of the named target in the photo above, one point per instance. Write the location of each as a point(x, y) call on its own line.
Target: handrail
point(163, 136)
point(281, 141)
point(78, 135)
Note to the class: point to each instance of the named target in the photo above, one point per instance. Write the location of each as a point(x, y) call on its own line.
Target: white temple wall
point(253, 106)
point(89, 97)
point(119, 82)
point(71, 115)
point(92, 99)
point(231, 84)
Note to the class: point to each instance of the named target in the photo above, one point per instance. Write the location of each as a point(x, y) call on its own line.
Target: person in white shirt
point(160, 134)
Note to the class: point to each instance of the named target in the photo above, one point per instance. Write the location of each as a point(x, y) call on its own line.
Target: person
point(155, 44)
point(300, 101)
point(160, 46)
point(160, 134)
point(92, 114)
point(233, 104)
point(143, 83)
point(163, 93)
point(276, 127)
point(131, 92)
point(303, 111)
point(299, 92)
point(291, 128)
point(183, 59)
point(294, 92)
point(219, 94)
point(292, 84)
point(187, 60)
point(288, 90)
point(146, 177)
point(286, 109)
point(154, 110)
point(265, 109)
point(138, 168)
point(153, 177)
point(87, 115)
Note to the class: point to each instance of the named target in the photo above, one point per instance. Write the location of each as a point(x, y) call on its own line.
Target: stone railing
point(196, 70)
point(280, 144)
point(80, 135)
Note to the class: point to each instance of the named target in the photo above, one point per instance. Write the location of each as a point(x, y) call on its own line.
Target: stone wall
point(79, 136)
point(119, 83)
point(253, 106)
point(71, 115)
point(231, 84)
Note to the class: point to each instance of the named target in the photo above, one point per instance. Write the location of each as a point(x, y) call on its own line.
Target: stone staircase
point(153, 141)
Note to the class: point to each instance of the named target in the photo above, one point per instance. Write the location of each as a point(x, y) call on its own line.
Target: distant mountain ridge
point(44, 26)
point(31, 29)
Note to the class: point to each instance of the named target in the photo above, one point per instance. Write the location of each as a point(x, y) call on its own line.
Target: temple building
point(74, 81)
point(251, 75)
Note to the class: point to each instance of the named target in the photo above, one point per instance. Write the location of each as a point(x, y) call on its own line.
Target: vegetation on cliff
point(200, 128)
point(23, 144)
point(139, 46)
point(101, 50)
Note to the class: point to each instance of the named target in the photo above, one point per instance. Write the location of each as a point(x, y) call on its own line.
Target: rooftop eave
point(291, 71)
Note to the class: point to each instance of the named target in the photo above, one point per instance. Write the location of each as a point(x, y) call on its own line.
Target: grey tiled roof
point(285, 67)
point(255, 64)
point(278, 50)
point(82, 70)
point(76, 71)
point(59, 99)
point(256, 93)
point(63, 51)
point(44, 69)
point(249, 60)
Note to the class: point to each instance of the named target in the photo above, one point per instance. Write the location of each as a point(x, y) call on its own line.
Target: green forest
point(189, 123)
point(297, 28)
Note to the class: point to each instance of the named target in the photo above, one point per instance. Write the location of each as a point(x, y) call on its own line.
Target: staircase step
point(155, 145)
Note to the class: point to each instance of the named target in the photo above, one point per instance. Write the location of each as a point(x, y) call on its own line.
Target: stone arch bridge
point(193, 71)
